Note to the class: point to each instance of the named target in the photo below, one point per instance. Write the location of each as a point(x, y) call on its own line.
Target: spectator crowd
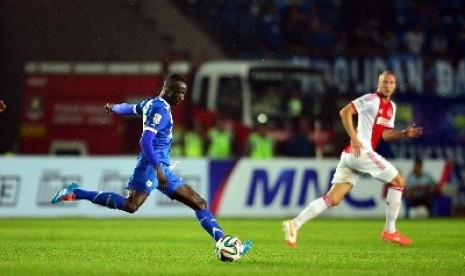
point(330, 28)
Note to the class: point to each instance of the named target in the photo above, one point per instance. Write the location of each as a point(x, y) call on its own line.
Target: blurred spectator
point(271, 28)
point(269, 103)
point(299, 144)
point(220, 138)
point(414, 39)
point(366, 38)
point(323, 39)
point(329, 28)
point(439, 43)
point(294, 105)
point(390, 42)
point(194, 141)
point(420, 188)
point(260, 145)
point(460, 45)
point(294, 28)
point(341, 44)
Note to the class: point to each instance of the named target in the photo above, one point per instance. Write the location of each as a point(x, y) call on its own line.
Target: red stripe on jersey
point(383, 114)
point(377, 162)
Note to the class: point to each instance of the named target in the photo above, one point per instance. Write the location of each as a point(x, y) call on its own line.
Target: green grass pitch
point(81, 246)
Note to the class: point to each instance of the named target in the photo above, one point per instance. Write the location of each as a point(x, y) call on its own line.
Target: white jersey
point(374, 116)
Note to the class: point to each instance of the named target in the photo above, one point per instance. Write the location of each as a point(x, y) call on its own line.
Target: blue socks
point(107, 199)
point(116, 201)
point(208, 222)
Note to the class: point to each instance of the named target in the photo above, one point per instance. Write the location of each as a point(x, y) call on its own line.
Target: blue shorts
point(144, 179)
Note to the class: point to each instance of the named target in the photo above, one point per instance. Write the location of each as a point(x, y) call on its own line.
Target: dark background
point(141, 30)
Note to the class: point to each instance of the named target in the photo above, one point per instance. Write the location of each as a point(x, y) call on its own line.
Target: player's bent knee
point(131, 207)
point(398, 181)
point(402, 181)
point(334, 200)
point(201, 203)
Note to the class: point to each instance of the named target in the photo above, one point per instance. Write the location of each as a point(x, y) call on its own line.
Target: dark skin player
point(173, 92)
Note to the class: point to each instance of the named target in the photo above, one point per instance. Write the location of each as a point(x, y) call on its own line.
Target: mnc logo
point(286, 182)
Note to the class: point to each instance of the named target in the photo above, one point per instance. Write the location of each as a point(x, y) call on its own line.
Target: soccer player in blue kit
point(153, 163)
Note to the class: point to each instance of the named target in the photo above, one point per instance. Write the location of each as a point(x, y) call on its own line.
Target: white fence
point(275, 188)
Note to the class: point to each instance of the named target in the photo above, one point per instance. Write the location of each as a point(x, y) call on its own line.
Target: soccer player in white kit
point(376, 113)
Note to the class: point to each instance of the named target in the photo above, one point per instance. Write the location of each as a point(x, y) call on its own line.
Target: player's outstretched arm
point(412, 131)
point(121, 109)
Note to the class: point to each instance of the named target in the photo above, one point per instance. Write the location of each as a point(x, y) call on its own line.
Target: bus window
point(279, 95)
point(204, 86)
point(229, 97)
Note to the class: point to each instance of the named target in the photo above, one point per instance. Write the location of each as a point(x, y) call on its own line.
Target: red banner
point(68, 109)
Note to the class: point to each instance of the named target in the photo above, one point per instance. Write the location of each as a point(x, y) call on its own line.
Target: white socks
point(393, 201)
point(312, 210)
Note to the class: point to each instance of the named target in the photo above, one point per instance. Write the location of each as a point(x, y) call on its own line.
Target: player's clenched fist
point(109, 107)
point(2, 106)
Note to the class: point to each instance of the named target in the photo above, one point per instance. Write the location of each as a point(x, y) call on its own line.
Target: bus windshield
point(280, 95)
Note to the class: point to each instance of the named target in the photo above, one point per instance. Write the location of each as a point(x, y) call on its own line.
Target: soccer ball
point(228, 248)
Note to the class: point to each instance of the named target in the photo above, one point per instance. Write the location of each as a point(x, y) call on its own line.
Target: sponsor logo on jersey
point(382, 121)
point(389, 113)
point(157, 118)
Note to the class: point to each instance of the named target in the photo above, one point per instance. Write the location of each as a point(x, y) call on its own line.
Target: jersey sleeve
point(139, 108)
point(359, 104)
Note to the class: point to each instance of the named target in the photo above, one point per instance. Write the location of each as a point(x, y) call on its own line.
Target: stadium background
point(315, 32)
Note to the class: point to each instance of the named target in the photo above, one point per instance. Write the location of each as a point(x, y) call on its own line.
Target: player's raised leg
point(72, 192)
point(335, 195)
point(291, 227)
point(66, 194)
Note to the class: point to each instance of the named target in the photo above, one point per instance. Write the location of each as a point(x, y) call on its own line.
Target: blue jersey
point(157, 118)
